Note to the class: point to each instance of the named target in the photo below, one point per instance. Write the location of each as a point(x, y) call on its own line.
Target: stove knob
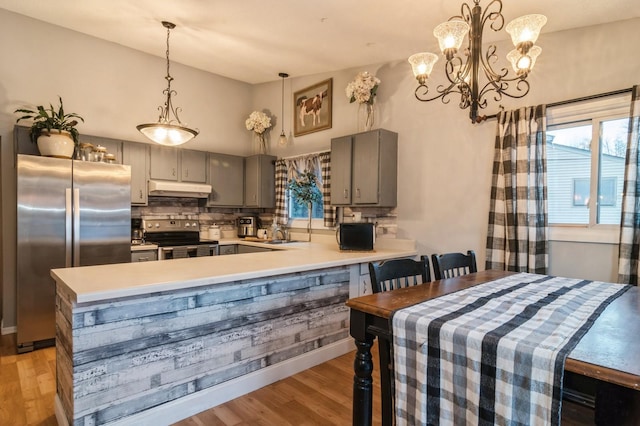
point(157, 225)
point(194, 224)
point(187, 225)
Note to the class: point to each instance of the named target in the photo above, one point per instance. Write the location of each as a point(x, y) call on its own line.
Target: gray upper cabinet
point(226, 177)
point(364, 169)
point(259, 181)
point(137, 156)
point(193, 166)
point(164, 162)
point(169, 163)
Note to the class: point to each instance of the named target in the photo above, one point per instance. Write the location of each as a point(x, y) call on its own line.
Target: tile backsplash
point(385, 218)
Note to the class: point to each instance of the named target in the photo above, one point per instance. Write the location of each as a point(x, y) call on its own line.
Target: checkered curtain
point(281, 215)
point(518, 222)
point(629, 255)
point(290, 168)
point(328, 210)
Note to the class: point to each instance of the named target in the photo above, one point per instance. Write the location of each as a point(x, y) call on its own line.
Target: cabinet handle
point(357, 192)
point(173, 172)
point(346, 193)
point(140, 194)
point(186, 173)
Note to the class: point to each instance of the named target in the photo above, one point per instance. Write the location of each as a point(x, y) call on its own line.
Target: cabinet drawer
point(144, 255)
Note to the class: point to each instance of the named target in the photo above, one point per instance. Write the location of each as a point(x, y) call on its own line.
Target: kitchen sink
point(280, 242)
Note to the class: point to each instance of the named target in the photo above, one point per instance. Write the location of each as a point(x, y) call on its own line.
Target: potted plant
point(305, 189)
point(52, 129)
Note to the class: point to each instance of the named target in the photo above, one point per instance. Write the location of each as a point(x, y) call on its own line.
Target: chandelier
point(464, 73)
point(168, 131)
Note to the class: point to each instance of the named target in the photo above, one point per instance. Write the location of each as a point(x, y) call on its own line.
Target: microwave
point(356, 236)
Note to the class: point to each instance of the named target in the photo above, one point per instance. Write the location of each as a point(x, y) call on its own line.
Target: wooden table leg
point(362, 367)
point(617, 405)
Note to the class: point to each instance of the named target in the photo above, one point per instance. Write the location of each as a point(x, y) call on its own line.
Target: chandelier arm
point(465, 13)
point(485, 62)
point(441, 90)
point(495, 16)
point(455, 77)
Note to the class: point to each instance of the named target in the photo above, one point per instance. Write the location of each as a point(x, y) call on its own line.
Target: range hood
point(163, 188)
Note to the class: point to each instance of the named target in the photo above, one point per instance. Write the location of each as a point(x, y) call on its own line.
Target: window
point(300, 210)
point(586, 147)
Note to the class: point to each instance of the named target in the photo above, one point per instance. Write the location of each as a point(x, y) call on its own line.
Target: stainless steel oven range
point(177, 238)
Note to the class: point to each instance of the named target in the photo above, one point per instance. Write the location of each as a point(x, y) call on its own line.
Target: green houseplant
point(305, 189)
point(52, 126)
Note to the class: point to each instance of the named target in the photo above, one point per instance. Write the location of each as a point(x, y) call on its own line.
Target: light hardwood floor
point(318, 396)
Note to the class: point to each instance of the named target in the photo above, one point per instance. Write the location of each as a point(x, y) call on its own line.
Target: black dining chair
point(397, 273)
point(385, 276)
point(451, 265)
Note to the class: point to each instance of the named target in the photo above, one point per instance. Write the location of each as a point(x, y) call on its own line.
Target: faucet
point(282, 230)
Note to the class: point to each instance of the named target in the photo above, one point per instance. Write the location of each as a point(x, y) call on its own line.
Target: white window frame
point(602, 109)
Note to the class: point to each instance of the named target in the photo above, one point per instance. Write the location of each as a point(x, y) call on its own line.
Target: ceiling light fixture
point(282, 141)
point(464, 75)
point(168, 131)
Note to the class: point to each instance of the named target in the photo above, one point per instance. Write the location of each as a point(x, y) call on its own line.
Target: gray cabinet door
point(366, 158)
point(226, 177)
point(364, 169)
point(228, 249)
point(164, 162)
point(136, 155)
point(193, 166)
point(259, 181)
point(341, 149)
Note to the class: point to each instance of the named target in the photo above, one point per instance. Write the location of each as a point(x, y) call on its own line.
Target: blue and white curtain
point(518, 220)
point(629, 255)
point(291, 168)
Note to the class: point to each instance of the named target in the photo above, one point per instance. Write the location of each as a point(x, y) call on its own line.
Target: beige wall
point(444, 161)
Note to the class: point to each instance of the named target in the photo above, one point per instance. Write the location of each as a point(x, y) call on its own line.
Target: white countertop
point(103, 282)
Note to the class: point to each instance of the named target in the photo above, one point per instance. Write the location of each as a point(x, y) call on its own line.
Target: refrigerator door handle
point(68, 211)
point(76, 227)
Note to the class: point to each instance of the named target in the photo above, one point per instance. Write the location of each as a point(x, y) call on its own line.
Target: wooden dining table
point(609, 352)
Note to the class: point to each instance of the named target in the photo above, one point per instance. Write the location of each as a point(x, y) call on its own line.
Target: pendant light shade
point(282, 140)
point(168, 130)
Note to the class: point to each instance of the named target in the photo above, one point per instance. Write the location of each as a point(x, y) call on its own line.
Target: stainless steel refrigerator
point(70, 213)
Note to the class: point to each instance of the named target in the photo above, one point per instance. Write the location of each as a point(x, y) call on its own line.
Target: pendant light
point(168, 131)
point(282, 141)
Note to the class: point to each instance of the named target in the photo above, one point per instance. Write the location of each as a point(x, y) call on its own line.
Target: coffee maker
point(137, 232)
point(248, 226)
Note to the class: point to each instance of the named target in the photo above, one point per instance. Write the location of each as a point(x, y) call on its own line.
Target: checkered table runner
point(494, 353)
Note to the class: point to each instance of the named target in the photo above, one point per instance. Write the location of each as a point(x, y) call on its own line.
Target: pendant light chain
point(168, 77)
point(282, 141)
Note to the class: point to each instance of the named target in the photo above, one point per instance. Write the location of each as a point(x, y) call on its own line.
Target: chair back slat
point(398, 273)
point(452, 265)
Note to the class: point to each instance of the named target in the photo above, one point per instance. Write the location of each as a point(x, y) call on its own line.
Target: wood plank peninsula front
point(156, 342)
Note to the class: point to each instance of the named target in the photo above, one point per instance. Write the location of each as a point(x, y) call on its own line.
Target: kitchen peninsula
point(155, 342)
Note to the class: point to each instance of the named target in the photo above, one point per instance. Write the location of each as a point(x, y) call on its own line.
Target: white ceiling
point(254, 40)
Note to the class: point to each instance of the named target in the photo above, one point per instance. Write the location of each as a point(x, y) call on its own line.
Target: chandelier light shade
point(282, 140)
point(168, 130)
point(464, 70)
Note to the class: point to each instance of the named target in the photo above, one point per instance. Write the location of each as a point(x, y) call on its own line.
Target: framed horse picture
point(312, 108)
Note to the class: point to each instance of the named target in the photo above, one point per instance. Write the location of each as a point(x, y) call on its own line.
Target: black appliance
point(177, 238)
point(356, 236)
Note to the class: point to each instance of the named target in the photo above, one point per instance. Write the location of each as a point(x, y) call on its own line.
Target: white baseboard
point(190, 405)
point(60, 417)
